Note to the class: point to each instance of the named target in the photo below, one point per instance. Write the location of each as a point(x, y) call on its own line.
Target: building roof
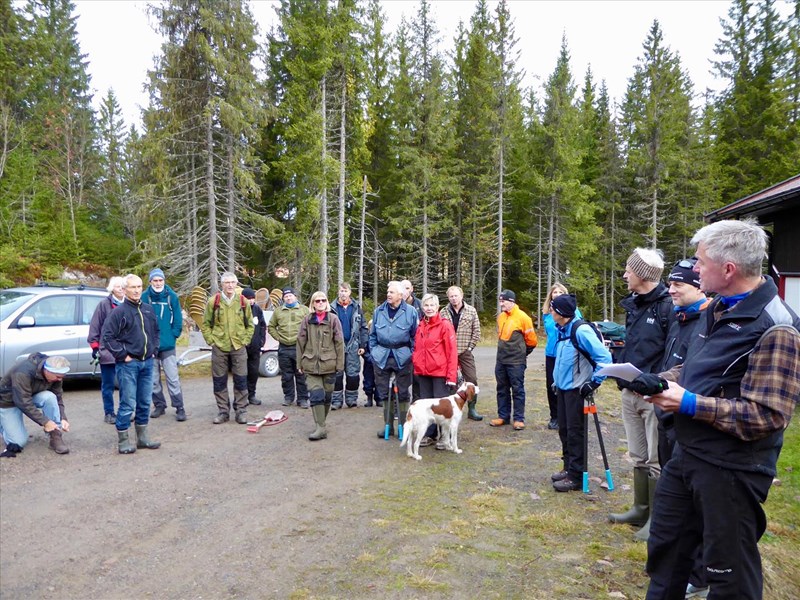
point(764, 202)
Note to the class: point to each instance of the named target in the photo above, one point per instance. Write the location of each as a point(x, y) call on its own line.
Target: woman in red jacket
point(435, 357)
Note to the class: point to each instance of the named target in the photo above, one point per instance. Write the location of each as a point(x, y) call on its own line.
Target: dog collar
point(462, 394)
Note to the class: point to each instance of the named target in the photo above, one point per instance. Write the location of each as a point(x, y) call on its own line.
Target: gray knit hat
point(57, 364)
point(646, 263)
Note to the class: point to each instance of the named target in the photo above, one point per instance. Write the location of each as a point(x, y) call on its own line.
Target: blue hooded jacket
point(167, 308)
point(572, 368)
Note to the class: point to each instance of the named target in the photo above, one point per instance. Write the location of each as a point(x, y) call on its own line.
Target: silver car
point(52, 320)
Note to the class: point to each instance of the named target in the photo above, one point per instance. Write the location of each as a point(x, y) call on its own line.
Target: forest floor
point(218, 512)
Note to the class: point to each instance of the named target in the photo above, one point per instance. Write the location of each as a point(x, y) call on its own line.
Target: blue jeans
point(136, 389)
point(510, 387)
point(107, 375)
point(12, 426)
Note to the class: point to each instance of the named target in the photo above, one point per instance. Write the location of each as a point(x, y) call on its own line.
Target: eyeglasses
point(320, 300)
point(686, 263)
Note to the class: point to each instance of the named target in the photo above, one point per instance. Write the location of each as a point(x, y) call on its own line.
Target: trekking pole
point(586, 445)
point(593, 410)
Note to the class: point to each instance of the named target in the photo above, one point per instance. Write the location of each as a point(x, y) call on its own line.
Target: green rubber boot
point(318, 410)
point(142, 439)
point(640, 511)
point(644, 532)
point(473, 414)
point(124, 444)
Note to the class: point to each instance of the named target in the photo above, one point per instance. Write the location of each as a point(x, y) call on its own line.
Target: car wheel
point(268, 364)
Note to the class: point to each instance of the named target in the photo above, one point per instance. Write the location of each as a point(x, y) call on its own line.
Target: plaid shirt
point(770, 389)
point(469, 327)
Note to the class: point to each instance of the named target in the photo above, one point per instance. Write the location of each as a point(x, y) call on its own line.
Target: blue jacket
point(572, 368)
point(393, 336)
point(167, 308)
point(552, 333)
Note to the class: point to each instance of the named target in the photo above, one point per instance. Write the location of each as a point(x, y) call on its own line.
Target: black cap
point(565, 305)
point(288, 290)
point(508, 295)
point(683, 272)
point(249, 292)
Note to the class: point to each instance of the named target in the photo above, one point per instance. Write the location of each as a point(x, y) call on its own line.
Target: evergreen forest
point(330, 148)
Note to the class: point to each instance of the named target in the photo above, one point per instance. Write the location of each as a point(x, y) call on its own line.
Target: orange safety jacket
point(516, 337)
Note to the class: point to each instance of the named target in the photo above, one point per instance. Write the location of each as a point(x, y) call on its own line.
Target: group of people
point(719, 381)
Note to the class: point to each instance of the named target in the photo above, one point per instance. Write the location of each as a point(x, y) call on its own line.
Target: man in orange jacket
point(516, 340)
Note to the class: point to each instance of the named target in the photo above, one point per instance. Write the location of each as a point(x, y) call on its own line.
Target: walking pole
point(593, 410)
point(586, 445)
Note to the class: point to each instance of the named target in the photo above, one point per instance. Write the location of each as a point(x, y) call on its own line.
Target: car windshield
point(11, 301)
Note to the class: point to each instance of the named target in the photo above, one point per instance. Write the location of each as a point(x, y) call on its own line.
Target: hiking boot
point(254, 401)
point(335, 406)
point(553, 424)
point(57, 442)
point(304, 403)
point(568, 484)
point(426, 441)
point(157, 412)
point(559, 476)
point(241, 417)
point(222, 417)
point(180, 415)
point(143, 440)
point(11, 450)
point(378, 403)
point(110, 418)
point(124, 443)
point(287, 402)
point(519, 425)
point(498, 422)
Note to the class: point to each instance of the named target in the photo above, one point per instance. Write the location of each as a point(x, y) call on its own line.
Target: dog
point(446, 412)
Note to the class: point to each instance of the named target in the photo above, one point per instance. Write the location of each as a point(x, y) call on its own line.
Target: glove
point(587, 388)
point(623, 385)
point(648, 384)
point(95, 352)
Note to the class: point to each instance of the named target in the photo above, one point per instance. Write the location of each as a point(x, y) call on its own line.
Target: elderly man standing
point(33, 387)
point(391, 343)
point(516, 340)
point(284, 326)
point(468, 333)
point(355, 332)
point(732, 399)
point(167, 308)
point(649, 315)
point(131, 334)
point(228, 328)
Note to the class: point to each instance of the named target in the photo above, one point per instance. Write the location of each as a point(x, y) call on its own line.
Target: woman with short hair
point(108, 364)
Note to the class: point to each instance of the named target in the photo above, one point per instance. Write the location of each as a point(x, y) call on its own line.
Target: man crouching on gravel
point(33, 387)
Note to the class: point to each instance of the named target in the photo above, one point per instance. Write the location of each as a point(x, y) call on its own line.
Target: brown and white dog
point(446, 412)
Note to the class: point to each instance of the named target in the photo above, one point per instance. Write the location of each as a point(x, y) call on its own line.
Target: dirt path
point(221, 513)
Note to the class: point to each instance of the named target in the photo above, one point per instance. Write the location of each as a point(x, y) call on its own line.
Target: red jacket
point(435, 352)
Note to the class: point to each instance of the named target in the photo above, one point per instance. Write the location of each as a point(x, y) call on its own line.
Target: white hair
point(433, 297)
point(130, 276)
point(228, 275)
point(114, 282)
point(398, 287)
point(743, 243)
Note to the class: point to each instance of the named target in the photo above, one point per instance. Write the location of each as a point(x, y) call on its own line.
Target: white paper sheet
point(625, 371)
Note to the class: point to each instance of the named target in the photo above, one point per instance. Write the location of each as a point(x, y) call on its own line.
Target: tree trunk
point(362, 242)
point(323, 200)
point(231, 220)
point(213, 267)
point(342, 156)
point(500, 231)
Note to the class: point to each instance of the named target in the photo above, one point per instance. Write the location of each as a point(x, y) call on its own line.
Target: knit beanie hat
point(683, 272)
point(646, 263)
point(249, 292)
point(508, 295)
point(156, 273)
point(565, 305)
point(57, 364)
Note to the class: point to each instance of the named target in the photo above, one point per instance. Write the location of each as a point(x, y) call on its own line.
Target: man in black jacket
point(648, 317)
point(255, 345)
point(33, 387)
point(130, 333)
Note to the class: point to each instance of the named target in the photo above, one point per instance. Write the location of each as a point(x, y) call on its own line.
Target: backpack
point(217, 298)
point(573, 337)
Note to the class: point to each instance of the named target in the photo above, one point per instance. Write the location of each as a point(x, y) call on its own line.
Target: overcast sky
point(120, 44)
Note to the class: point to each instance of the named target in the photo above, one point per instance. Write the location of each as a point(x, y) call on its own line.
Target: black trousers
point(571, 431)
point(431, 387)
point(697, 502)
point(552, 401)
point(253, 360)
point(402, 379)
point(291, 380)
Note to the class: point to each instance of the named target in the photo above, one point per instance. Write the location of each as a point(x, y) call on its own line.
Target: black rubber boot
point(640, 511)
point(124, 444)
point(142, 439)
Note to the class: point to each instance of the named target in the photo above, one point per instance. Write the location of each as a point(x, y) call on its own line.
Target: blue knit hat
point(156, 273)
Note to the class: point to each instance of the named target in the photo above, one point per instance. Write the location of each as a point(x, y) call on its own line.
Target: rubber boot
point(639, 512)
point(473, 414)
point(318, 410)
point(399, 432)
point(402, 411)
point(388, 419)
point(143, 441)
point(124, 444)
point(368, 403)
point(644, 532)
point(57, 442)
point(327, 409)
